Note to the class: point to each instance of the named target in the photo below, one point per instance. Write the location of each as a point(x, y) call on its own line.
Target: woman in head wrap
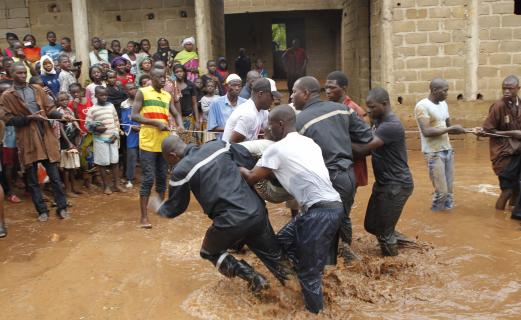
point(48, 74)
point(123, 77)
point(164, 53)
point(144, 64)
point(189, 59)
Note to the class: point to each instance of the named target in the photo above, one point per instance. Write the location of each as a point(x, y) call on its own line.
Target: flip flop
point(146, 226)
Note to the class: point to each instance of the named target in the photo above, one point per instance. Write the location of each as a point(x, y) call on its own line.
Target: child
point(222, 67)
point(102, 121)
point(48, 74)
point(144, 67)
point(96, 78)
point(131, 129)
point(144, 81)
point(80, 105)
point(213, 75)
point(122, 76)
point(116, 95)
point(206, 101)
point(131, 56)
point(259, 67)
point(69, 158)
point(66, 76)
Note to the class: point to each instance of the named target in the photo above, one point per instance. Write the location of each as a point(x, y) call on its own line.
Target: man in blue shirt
point(222, 107)
point(52, 49)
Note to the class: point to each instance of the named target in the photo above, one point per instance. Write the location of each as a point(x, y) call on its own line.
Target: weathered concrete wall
point(14, 17)
point(355, 50)
point(218, 32)
point(134, 24)
point(431, 40)
point(500, 45)
point(242, 6)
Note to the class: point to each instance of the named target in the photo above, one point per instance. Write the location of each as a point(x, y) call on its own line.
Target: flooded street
point(99, 265)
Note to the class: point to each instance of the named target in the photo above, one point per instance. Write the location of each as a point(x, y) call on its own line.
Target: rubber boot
point(388, 249)
point(231, 267)
point(402, 239)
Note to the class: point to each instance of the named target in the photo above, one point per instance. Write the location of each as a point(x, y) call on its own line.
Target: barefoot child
point(96, 78)
point(103, 122)
point(131, 129)
point(69, 156)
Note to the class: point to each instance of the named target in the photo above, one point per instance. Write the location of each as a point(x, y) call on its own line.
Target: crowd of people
point(230, 142)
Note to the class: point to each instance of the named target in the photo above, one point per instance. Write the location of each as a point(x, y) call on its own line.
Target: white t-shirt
point(437, 114)
point(246, 120)
point(297, 163)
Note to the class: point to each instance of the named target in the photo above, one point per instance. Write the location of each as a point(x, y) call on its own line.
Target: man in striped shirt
point(102, 120)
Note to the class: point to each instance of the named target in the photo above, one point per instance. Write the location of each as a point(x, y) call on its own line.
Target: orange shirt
point(33, 54)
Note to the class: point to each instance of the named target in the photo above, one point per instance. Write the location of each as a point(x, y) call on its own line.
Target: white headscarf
point(188, 40)
point(42, 70)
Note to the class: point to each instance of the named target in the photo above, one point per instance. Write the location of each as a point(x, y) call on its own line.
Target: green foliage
point(278, 34)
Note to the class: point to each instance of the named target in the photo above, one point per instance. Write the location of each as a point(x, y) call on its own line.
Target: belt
point(326, 205)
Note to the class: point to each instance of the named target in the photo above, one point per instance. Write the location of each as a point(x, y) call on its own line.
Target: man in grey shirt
point(250, 79)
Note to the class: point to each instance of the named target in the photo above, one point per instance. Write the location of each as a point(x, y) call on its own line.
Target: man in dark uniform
point(332, 127)
point(211, 172)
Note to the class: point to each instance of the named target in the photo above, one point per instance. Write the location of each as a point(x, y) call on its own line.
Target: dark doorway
point(284, 31)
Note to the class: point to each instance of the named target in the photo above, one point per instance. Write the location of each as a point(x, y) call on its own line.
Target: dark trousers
point(36, 192)
point(344, 182)
point(153, 167)
point(307, 239)
point(130, 171)
point(257, 234)
point(384, 209)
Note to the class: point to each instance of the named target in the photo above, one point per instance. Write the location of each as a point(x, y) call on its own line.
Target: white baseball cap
point(274, 91)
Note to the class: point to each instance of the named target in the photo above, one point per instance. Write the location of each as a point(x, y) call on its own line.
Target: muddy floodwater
point(99, 265)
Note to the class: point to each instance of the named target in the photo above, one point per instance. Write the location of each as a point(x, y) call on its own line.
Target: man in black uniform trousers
point(211, 172)
point(333, 127)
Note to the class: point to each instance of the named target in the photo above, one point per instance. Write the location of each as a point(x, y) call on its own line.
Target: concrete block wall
point(429, 39)
point(218, 32)
point(500, 46)
point(14, 17)
point(242, 6)
point(135, 25)
point(355, 51)
point(48, 16)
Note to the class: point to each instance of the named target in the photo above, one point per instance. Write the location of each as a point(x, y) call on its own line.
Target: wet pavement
point(100, 265)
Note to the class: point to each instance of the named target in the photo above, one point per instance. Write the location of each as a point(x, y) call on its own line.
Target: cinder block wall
point(14, 17)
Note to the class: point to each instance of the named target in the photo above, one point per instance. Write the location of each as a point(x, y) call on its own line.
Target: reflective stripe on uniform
point(323, 117)
point(199, 165)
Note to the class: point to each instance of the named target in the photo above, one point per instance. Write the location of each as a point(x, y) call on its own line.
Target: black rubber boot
point(389, 249)
point(516, 215)
point(232, 267)
point(402, 239)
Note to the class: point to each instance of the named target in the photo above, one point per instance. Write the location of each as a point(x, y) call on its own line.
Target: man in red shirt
point(295, 62)
point(336, 88)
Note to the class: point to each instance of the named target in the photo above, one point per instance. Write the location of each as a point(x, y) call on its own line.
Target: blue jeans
point(441, 172)
point(307, 240)
point(36, 191)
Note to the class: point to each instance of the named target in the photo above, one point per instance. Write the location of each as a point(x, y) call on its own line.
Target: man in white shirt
point(249, 118)
point(432, 115)
point(297, 163)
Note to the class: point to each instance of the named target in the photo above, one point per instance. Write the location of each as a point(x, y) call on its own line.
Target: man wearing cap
point(222, 107)
point(246, 122)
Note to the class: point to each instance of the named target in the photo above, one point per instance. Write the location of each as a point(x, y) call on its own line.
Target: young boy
point(206, 102)
point(66, 76)
point(213, 75)
point(131, 129)
point(102, 121)
point(52, 49)
point(69, 157)
point(116, 94)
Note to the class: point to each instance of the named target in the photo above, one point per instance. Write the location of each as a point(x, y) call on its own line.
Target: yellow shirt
point(156, 107)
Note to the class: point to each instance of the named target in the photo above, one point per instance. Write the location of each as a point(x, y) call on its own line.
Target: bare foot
point(107, 191)
point(145, 224)
point(117, 188)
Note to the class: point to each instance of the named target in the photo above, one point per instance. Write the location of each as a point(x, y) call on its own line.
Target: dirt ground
point(99, 265)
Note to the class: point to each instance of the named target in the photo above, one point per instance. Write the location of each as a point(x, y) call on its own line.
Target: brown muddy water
point(99, 265)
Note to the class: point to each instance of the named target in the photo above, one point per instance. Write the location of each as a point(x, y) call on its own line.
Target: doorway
point(284, 31)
